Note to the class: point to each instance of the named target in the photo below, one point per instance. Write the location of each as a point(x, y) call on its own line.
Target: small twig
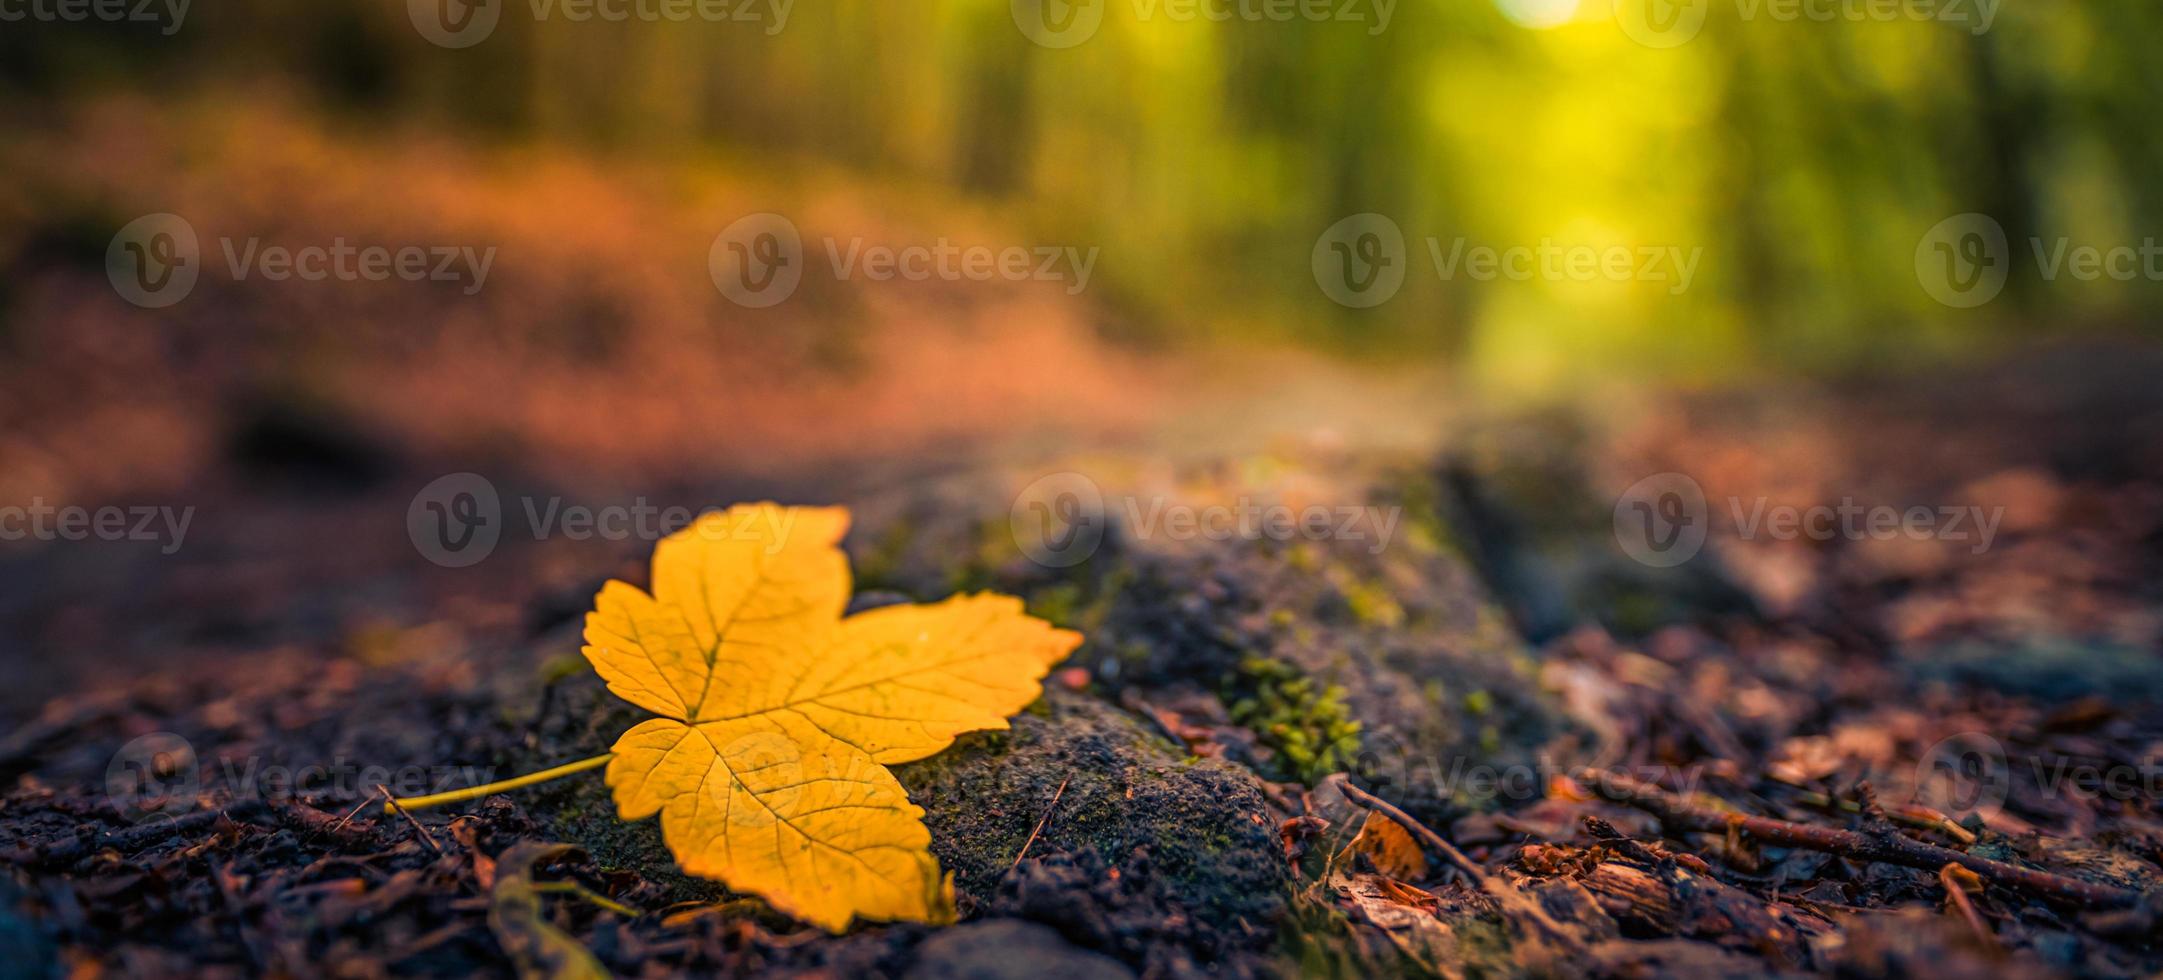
point(1912, 815)
point(395, 805)
point(350, 814)
point(1888, 846)
point(1949, 876)
point(1041, 821)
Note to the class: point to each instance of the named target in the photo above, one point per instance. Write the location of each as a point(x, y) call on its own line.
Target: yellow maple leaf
point(778, 716)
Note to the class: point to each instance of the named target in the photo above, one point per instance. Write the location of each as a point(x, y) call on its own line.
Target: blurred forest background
point(1805, 158)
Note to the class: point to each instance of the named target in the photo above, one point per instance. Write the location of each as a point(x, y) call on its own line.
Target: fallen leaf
point(1391, 848)
point(778, 717)
point(1408, 923)
point(466, 831)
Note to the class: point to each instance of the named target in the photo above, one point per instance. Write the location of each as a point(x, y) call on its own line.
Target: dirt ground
point(1868, 755)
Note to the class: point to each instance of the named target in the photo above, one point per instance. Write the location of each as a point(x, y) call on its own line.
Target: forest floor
point(1874, 690)
point(1870, 754)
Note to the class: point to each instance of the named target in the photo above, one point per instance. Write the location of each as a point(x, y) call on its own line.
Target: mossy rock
point(1199, 826)
point(1382, 656)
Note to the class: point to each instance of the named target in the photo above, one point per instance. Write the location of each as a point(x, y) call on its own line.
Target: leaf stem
point(577, 890)
point(490, 789)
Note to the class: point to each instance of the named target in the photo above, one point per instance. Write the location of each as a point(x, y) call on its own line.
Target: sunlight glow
point(1538, 14)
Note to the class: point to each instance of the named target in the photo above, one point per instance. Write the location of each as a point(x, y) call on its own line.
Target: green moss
point(1368, 600)
point(1060, 604)
point(1372, 604)
point(1309, 725)
point(1425, 529)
